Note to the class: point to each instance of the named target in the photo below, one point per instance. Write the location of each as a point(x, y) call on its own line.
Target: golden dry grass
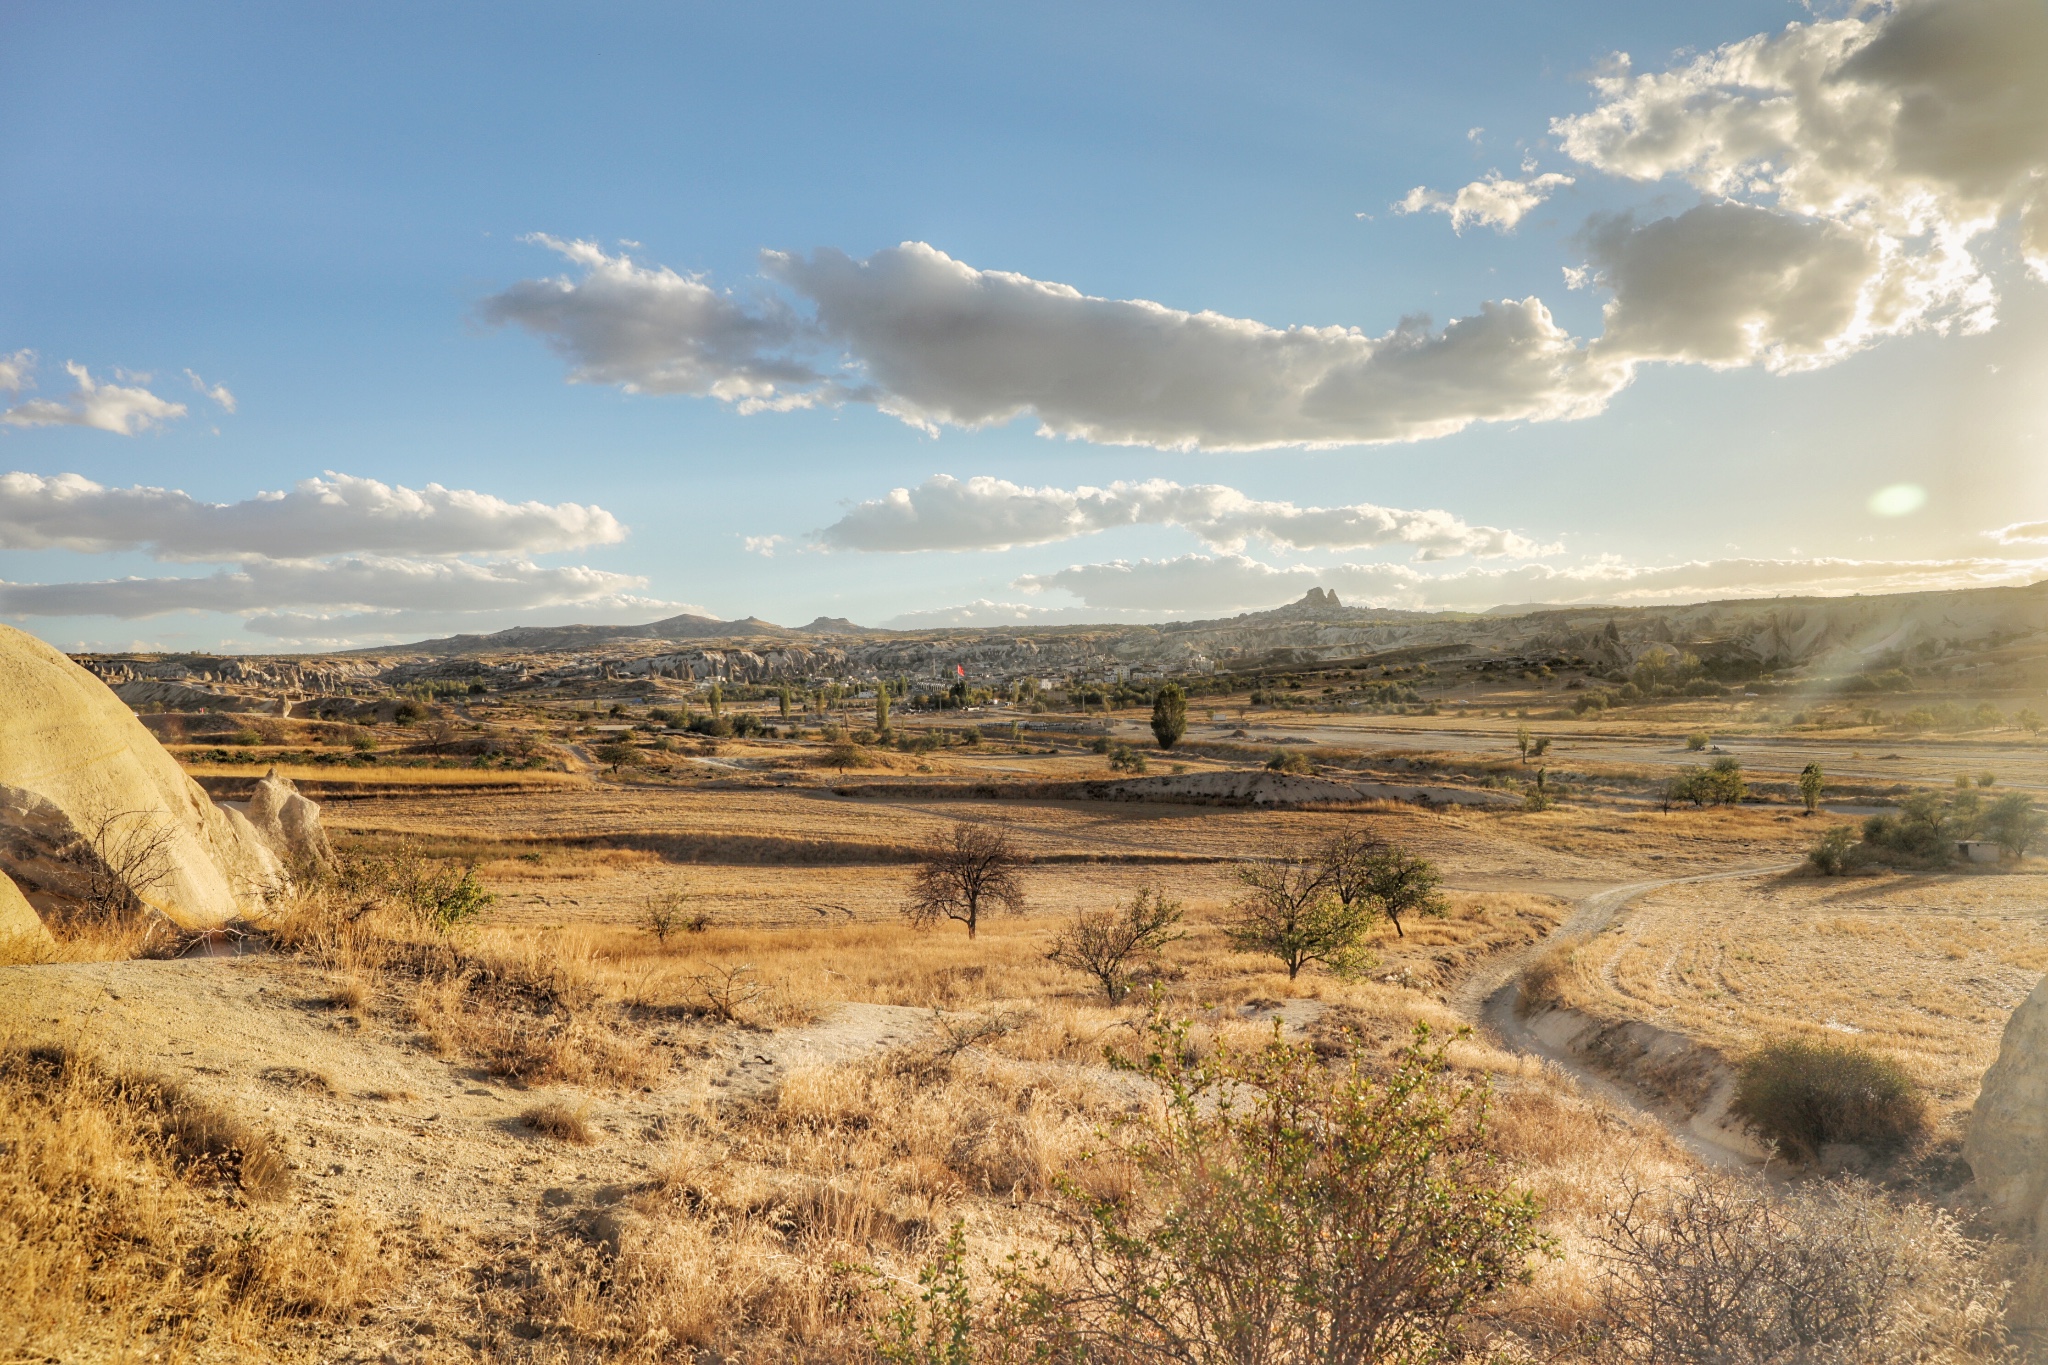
point(1924, 967)
point(773, 857)
point(761, 1193)
point(136, 1223)
point(393, 775)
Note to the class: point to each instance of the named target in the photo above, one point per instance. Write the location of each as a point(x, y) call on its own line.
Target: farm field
point(1657, 746)
point(1926, 967)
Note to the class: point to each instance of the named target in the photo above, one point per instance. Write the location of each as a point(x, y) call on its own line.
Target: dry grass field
point(551, 1133)
point(1925, 967)
point(763, 855)
point(579, 1142)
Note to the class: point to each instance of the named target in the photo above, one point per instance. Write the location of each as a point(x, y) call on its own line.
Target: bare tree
point(962, 871)
point(1102, 945)
point(1723, 1270)
point(123, 855)
point(663, 913)
point(438, 733)
point(728, 992)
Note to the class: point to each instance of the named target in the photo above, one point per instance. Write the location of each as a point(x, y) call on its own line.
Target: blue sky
point(328, 215)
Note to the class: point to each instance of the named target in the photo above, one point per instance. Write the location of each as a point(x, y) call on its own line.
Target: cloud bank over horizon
point(336, 554)
point(984, 513)
point(336, 514)
point(1205, 584)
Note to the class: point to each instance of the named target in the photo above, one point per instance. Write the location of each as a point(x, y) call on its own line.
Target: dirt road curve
point(1488, 998)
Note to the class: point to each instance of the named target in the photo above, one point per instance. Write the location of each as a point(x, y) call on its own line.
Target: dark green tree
point(1169, 715)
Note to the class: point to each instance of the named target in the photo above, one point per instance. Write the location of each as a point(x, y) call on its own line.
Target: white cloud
point(982, 513)
point(337, 514)
point(1851, 167)
point(123, 410)
point(356, 583)
point(983, 612)
point(1207, 585)
point(218, 393)
point(2021, 533)
point(1496, 202)
point(1883, 144)
point(763, 546)
point(332, 629)
point(15, 370)
point(936, 342)
point(655, 331)
point(1729, 285)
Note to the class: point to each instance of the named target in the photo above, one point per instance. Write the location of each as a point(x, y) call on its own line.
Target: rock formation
point(288, 822)
point(20, 927)
point(2008, 1143)
point(88, 795)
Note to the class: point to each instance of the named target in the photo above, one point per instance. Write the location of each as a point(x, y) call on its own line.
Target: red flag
point(961, 671)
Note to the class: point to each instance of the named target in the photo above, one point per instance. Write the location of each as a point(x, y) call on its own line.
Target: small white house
point(1978, 850)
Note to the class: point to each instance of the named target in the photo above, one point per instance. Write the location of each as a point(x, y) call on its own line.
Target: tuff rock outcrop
point(287, 821)
point(2007, 1147)
point(86, 791)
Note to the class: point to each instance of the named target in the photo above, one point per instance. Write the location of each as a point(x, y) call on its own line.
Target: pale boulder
point(2007, 1146)
point(77, 769)
point(288, 821)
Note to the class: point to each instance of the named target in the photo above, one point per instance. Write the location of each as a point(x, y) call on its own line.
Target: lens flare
point(1897, 500)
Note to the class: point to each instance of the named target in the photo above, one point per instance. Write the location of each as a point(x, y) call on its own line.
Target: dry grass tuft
point(534, 1008)
point(558, 1121)
point(130, 1225)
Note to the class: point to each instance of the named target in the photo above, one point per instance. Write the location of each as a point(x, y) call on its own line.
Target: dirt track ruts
point(1489, 999)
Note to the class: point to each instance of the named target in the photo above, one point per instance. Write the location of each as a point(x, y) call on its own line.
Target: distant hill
point(550, 639)
point(1848, 634)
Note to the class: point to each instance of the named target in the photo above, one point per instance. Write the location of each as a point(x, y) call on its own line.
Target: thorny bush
point(1724, 1270)
point(1276, 1210)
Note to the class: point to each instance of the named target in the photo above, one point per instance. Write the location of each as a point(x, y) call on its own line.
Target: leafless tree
point(962, 871)
point(1103, 944)
point(123, 856)
point(728, 992)
point(437, 733)
point(1722, 1270)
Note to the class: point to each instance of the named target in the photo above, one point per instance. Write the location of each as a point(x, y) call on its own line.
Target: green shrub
point(2013, 824)
point(1124, 759)
point(1698, 740)
point(1288, 1210)
point(1290, 761)
point(1922, 834)
point(1804, 1095)
point(1169, 715)
point(1830, 854)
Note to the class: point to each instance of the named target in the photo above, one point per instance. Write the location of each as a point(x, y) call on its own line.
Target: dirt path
point(1490, 998)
